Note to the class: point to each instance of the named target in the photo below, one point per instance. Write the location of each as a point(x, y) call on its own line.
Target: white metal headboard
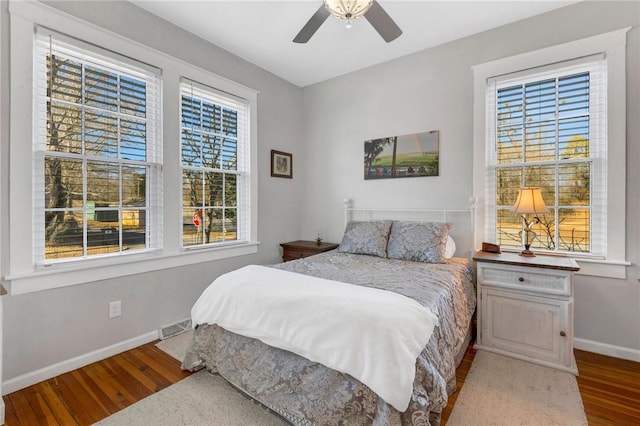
point(463, 230)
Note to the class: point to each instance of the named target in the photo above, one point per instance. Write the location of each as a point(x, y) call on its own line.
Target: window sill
point(58, 276)
point(603, 268)
point(592, 267)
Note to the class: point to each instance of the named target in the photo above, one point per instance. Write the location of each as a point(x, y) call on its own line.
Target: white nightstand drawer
point(524, 279)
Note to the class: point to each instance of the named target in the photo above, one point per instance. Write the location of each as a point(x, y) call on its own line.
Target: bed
point(406, 256)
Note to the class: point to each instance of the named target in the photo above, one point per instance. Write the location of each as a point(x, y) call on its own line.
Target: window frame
point(593, 65)
point(613, 46)
point(242, 172)
point(89, 56)
point(22, 275)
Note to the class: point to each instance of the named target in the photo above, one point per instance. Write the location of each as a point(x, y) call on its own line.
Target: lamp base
point(526, 252)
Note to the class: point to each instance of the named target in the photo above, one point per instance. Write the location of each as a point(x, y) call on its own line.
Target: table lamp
point(529, 202)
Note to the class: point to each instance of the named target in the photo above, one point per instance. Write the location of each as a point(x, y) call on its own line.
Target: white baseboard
point(46, 373)
point(606, 349)
point(1, 411)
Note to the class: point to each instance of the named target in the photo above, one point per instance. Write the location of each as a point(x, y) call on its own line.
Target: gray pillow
point(418, 242)
point(366, 238)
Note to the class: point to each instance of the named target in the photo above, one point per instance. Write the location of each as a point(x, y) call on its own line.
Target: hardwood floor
point(91, 393)
point(609, 387)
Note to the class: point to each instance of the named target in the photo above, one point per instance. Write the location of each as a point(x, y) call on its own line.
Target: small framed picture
point(281, 164)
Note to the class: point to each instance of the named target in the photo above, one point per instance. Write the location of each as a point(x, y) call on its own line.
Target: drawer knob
point(562, 333)
point(521, 279)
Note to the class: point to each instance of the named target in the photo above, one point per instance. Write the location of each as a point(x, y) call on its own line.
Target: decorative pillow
point(418, 242)
point(366, 238)
point(450, 248)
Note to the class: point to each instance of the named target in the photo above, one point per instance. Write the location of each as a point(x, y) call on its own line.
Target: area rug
point(200, 399)
point(176, 346)
point(497, 391)
point(504, 391)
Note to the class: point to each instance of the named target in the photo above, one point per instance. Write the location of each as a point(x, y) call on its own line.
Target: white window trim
point(23, 277)
point(613, 46)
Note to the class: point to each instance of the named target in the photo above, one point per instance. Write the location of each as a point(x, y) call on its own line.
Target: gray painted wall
point(433, 90)
point(45, 328)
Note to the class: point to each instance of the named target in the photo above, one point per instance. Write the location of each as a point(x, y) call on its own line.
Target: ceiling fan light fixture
point(347, 10)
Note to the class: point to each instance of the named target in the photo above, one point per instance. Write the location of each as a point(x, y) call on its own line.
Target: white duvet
point(360, 331)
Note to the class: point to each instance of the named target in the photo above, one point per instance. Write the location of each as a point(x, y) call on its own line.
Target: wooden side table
point(300, 249)
point(525, 307)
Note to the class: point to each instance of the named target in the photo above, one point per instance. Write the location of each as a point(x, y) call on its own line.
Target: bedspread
point(299, 388)
point(349, 328)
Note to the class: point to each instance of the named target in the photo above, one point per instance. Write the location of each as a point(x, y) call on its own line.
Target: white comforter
point(360, 331)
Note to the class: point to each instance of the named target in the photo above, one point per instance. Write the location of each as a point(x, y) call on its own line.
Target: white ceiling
point(261, 31)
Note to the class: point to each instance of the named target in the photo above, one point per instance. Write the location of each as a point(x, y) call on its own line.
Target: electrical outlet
point(115, 309)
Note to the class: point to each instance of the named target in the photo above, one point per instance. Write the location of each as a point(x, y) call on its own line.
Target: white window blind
point(215, 166)
point(547, 128)
point(97, 152)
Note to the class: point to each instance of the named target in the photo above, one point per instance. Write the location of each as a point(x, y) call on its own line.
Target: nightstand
point(525, 307)
point(299, 249)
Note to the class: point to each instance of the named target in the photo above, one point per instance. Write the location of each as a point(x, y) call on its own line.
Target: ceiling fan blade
point(382, 22)
point(312, 25)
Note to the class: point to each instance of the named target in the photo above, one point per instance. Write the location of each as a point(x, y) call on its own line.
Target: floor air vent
point(171, 330)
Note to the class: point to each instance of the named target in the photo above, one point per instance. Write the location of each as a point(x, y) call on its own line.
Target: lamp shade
point(529, 201)
point(348, 9)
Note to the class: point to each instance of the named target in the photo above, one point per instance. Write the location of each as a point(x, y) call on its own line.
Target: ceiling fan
point(349, 10)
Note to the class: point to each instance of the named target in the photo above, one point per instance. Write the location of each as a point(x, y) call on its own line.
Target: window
point(532, 126)
point(96, 154)
point(215, 166)
point(96, 157)
point(548, 130)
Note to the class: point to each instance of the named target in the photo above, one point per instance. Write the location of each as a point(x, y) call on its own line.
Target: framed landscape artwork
point(281, 164)
point(414, 155)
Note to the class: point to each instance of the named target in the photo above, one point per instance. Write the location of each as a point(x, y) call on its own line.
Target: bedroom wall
point(433, 90)
point(55, 326)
